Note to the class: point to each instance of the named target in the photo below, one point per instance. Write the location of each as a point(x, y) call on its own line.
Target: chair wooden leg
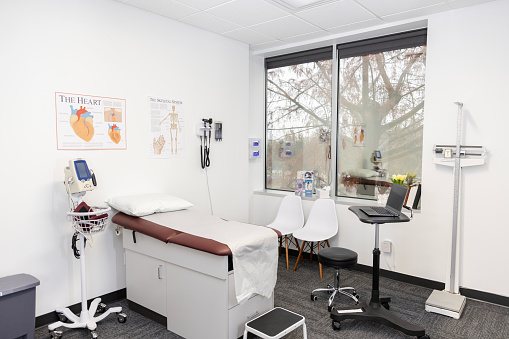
point(320, 265)
point(286, 247)
point(300, 254)
point(297, 243)
point(327, 242)
point(311, 253)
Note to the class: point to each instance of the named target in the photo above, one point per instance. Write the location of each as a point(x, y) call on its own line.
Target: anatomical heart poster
point(90, 122)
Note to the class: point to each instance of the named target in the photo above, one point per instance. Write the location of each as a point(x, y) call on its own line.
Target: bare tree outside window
point(298, 123)
point(380, 115)
point(381, 100)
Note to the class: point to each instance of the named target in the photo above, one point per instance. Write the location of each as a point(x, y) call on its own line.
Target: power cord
point(75, 238)
point(208, 189)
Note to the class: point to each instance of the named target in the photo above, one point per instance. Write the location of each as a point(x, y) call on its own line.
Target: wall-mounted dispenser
point(255, 148)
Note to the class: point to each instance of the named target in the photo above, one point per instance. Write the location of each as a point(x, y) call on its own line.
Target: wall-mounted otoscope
point(204, 131)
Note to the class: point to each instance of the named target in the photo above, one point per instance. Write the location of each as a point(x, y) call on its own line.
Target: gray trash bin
point(17, 306)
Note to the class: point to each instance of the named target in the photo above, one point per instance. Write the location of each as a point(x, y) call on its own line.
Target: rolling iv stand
point(450, 302)
point(78, 180)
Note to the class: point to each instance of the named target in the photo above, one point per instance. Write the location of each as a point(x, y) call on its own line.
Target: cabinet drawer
point(240, 314)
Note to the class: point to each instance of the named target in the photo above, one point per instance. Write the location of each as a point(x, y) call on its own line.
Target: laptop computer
point(394, 203)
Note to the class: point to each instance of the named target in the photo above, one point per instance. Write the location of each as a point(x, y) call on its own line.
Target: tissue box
point(322, 193)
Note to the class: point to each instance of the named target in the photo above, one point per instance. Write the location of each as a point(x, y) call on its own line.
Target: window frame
point(317, 54)
point(336, 52)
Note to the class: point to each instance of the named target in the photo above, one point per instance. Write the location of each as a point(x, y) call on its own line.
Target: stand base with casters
point(377, 312)
point(377, 309)
point(87, 319)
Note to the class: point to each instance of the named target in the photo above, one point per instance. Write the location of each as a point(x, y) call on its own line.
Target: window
point(380, 114)
point(298, 108)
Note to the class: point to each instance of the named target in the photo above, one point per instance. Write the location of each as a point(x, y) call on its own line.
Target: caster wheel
point(336, 325)
point(386, 306)
point(101, 308)
point(56, 334)
point(424, 337)
point(122, 318)
point(330, 308)
point(62, 317)
point(94, 335)
point(313, 297)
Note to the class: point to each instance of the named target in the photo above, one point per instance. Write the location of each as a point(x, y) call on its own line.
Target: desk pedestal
point(377, 309)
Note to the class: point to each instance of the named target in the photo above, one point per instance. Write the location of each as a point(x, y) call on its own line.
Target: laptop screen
point(397, 197)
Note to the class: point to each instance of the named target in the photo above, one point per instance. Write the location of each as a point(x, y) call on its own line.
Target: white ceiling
point(267, 24)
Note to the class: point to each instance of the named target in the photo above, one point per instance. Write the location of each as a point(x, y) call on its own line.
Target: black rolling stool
point(337, 257)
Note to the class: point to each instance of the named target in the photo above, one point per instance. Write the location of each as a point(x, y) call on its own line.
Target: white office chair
point(321, 225)
point(289, 219)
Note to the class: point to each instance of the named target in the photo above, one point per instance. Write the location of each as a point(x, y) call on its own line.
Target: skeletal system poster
point(167, 133)
point(90, 122)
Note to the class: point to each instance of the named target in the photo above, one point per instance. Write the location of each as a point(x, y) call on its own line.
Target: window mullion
point(334, 123)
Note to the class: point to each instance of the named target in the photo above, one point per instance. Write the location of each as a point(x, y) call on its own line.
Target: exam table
point(184, 279)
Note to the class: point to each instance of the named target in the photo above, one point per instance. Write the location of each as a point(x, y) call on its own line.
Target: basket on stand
point(93, 221)
point(86, 220)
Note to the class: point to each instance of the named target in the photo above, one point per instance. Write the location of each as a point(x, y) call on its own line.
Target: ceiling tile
point(273, 44)
point(210, 22)
point(466, 3)
point(335, 14)
point(416, 13)
point(356, 26)
point(248, 12)
point(388, 7)
point(307, 37)
point(168, 8)
point(285, 27)
point(203, 4)
point(249, 36)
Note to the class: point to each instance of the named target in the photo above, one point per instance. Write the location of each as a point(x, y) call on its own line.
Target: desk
point(377, 308)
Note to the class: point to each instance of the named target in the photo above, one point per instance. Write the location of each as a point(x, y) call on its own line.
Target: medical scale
point(86, 221)
point(450, 302)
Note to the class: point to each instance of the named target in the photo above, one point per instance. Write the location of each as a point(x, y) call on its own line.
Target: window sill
point(338, 200)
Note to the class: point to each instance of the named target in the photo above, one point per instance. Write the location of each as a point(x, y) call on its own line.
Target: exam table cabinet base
point(164, 278)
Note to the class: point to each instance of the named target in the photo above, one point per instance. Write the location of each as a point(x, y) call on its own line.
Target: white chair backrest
point(323, 218)
point(290, 214)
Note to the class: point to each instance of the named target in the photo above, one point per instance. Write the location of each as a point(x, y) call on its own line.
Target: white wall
point(467, 62)
point(106, 48)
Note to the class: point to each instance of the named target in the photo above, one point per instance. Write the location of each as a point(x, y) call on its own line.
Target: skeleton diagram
point(174, 127)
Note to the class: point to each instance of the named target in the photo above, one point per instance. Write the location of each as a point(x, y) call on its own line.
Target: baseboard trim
point(436, 285)
point(52, 317)
point(158, 318)
point(496, 299)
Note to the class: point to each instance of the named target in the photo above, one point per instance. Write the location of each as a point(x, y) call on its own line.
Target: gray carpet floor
point(479, 320)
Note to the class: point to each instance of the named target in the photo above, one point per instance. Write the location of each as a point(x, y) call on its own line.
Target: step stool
point(275, 323)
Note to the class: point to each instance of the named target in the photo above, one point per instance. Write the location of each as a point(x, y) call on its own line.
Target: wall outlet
point(387, 246)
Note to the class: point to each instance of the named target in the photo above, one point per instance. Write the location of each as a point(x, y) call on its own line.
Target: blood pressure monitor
point(376, 157)
point(78, 178)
